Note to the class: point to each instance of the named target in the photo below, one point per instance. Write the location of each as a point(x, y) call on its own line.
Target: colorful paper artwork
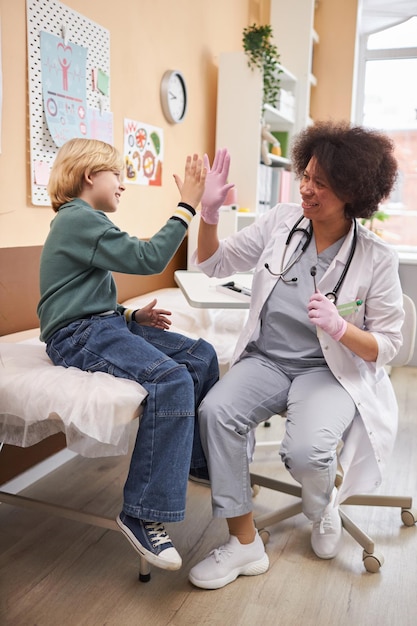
point(64, 88)
point(143, 153)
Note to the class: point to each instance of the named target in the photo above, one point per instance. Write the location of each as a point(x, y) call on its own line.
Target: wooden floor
point(56, 572)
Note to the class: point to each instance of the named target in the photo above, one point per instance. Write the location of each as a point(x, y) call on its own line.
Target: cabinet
point(238, 128)
point(239, 107)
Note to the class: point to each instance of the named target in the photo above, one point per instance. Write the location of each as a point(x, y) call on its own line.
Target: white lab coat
point(373, 278)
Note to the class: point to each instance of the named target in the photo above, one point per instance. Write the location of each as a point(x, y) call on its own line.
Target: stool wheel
point(372, 562)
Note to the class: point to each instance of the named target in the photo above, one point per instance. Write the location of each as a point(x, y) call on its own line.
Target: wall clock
point(173, 96)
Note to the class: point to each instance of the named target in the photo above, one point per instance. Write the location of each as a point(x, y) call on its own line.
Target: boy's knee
point(168, 370)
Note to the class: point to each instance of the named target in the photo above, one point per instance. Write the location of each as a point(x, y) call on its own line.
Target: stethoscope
point(308, 232)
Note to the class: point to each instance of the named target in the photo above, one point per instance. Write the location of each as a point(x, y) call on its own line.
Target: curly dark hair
point(358, 163)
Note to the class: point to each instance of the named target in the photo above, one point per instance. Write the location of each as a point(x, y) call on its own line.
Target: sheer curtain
point(376, 15)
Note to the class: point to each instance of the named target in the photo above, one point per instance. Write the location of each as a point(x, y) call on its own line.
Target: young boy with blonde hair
point(84, 326)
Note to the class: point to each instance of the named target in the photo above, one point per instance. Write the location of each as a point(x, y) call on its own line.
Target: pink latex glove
point(216, 187)
point(325, 315)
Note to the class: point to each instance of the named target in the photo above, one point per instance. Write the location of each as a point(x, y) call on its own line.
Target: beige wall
point(146, 38)
point(334, 59)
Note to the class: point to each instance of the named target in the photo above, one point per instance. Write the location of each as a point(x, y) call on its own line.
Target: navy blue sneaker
point(151, 540)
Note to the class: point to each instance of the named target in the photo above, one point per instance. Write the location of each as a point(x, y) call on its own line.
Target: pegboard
point(61, 21)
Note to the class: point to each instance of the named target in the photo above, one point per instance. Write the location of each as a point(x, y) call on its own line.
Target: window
point(388, 101)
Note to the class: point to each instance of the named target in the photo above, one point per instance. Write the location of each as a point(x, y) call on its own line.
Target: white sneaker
point(223, 565)
point(327, 534)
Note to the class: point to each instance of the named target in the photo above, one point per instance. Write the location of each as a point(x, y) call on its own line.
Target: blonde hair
point(76, 159)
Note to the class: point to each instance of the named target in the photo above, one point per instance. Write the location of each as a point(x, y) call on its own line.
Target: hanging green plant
point(263, 54)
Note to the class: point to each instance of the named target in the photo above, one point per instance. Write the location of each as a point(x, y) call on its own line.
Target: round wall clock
point(173, 96)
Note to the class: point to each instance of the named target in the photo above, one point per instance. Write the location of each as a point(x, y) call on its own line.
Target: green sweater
point(83, 247)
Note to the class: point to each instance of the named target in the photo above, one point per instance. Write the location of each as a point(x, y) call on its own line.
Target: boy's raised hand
point(192, 188)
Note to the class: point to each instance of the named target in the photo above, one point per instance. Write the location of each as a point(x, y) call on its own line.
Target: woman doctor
point(325, 317)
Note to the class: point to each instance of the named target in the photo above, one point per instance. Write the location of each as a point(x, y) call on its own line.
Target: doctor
point(325, 317)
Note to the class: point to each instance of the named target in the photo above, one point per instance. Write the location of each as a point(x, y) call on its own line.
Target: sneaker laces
point(221, 553)
point(326, 524)
point(158, 536)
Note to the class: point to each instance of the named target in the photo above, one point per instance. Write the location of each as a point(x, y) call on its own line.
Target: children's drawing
point(143, 153)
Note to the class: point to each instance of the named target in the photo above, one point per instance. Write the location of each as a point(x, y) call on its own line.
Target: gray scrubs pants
point(319, 411)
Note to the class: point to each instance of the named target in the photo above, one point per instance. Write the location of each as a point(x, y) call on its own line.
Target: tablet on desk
point(236, 290)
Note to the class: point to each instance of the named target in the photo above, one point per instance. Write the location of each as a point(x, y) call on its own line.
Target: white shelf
point(279, 161)
point(276, 119)
point(286, 78)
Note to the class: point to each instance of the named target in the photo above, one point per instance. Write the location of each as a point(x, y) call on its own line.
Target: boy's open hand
point(149, 316)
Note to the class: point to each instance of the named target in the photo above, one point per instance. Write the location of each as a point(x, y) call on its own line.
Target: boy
point(84, 326)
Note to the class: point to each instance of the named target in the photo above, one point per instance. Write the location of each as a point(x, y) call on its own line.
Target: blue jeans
point(177, 372)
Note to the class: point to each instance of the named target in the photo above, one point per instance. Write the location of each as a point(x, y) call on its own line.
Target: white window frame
point(382, 54)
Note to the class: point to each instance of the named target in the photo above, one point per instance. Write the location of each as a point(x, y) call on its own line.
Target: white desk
point(201, 291)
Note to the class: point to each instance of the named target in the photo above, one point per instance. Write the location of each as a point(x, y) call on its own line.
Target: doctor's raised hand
point(216, 187)
point(214, 180)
